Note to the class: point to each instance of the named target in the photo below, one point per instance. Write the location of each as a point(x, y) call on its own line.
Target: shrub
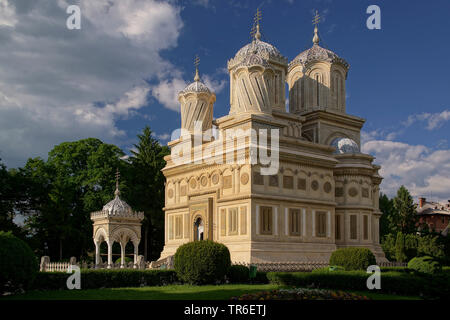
point(127, 260)
point(352, 258)
point(425, 264)
point(391, 282)
point(18, 265)
point(238, 274)
point(202, 262)
point(94, 279)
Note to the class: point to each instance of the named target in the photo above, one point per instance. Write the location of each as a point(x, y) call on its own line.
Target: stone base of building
point(276, 252)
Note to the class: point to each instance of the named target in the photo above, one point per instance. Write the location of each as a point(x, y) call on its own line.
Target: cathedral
point(324, 192)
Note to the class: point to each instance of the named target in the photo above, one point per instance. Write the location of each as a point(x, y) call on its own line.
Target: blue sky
point(123, 69)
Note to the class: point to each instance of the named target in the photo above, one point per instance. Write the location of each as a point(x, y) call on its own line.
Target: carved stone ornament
point(244, 178)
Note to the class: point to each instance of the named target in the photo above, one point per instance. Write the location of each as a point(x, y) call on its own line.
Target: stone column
point(136, 248)
point(97, 253)
point(110, 245)
point(122, 254)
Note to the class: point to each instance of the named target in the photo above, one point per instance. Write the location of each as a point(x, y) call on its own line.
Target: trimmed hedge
point(95, 279)
point(391, 282)
point(353, 258)
point(238, 274)
point(202, 262)
point(425, 265)
point(18, 264)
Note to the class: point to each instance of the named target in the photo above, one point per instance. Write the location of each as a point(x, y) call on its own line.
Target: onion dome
point(345, 145)
point(317, 53)
point(117, 207)
point(257, 52)
point(197, 86)
point(196, 104)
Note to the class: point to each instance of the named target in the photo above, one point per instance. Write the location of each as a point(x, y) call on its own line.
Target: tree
point(388, 210)
point(404, 219)
point(147, 189)
point(77, 178)
point(11, 195)
point(400, 250)
point(6, 200)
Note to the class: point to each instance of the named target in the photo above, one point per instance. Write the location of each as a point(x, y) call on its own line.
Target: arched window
point(317, 89)
point(198, 229)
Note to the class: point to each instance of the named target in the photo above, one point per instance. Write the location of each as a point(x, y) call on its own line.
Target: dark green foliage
point(400, 250)
point(202, 262)
point(10, 195)
point(238, 274)
point(387, 208)
point(411, 245)
point(425, 264)
point(95, 279)
point(431, 245)
point(18, 265)
point(388, 245)
point(437, 286)
point(127, 260)
point(405, 217)
point(352, 258)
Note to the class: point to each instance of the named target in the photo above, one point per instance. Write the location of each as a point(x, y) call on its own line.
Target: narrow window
point(338, 227)
point(178, 227)
point(321, 224)
point(273, 181)
point(170, 227)
point(223, 222)
point(243, 222)
point(294, 222)
point(232, 221)
point(288, 182)
point(258, 179)
point(317, 89)
point(366, 228)
point(353, 228)
point(266, 220)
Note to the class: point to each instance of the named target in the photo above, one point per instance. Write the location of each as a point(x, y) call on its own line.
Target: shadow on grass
point(173, 292)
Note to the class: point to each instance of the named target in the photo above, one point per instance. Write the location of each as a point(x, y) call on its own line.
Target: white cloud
point(166, 92)
point(422, 170)
point(58, 84)
point(7, 14)
point(433, 120)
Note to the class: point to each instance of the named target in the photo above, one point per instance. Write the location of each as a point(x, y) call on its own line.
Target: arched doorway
point(198, 229)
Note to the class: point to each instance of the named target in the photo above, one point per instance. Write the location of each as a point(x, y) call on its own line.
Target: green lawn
point(171, 292)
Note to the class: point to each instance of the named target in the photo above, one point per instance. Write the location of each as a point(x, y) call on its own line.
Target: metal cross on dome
point(316, 19)
point(256, 20)
point(196, 61)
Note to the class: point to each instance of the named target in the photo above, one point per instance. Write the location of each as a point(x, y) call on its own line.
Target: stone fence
point(47, 266)
point(167, 263)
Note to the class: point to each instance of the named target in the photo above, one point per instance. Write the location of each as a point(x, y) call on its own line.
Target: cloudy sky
point(125, 66)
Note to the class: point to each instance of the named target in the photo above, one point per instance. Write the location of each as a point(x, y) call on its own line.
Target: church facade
point(324, 192)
